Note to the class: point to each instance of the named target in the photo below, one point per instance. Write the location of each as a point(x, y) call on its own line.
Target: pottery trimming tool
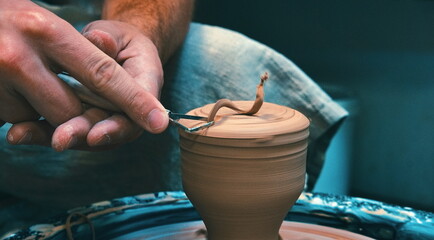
point(89, 97)
point(174, 117)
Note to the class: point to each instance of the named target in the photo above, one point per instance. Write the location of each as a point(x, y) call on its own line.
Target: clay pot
point(244, 173)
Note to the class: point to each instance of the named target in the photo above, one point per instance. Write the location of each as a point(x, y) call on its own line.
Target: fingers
point(95, 128)
point(74, 131)
point(136, 52)
point(14, 108)
point(110, 80)
point(49, 96)
point(29, 89)
point(30, 133)
point(103, 75)
point(114, 130)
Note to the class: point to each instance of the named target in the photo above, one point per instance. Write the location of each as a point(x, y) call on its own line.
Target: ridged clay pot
point(244, 173)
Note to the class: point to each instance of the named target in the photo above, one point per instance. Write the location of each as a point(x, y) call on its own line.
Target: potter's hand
point(138, 56)
point(35, 45)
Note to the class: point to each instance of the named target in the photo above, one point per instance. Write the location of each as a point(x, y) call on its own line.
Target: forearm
point(165, 22)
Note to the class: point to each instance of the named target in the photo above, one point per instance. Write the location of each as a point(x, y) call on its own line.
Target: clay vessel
point(244, 173)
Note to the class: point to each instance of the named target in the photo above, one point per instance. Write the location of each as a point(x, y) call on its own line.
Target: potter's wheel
point(171, 211)
point(290, 230)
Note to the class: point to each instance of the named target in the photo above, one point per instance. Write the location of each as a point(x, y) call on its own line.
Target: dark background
point(381, 53)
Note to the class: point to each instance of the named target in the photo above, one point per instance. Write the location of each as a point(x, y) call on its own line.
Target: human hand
point(35, 46)
point(139, 57)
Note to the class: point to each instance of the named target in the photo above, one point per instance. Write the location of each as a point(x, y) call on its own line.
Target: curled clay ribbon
point(229, 104)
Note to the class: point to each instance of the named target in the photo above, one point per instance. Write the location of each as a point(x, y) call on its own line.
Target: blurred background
point(376, 58)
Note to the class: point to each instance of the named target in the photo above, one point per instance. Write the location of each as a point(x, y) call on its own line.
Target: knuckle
point(11, 57)
point(36, 23)
point(101, 73)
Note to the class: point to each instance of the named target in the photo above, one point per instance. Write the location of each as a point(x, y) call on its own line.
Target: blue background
point(380, 54)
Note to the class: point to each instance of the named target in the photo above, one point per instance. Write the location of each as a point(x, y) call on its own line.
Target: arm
point(165, 22)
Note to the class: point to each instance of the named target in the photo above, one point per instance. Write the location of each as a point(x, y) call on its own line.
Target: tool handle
point(86, 95)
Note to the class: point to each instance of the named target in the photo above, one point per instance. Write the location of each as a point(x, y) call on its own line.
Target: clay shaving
point(229, 104)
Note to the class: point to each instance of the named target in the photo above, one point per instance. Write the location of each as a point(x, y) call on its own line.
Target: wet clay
point(229, 104)
point(245, 172)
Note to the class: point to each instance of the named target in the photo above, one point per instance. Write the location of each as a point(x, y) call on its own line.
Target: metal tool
point(174, 117)
point(93, 99)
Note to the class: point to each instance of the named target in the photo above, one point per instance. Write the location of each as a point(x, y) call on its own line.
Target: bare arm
point(165, 22)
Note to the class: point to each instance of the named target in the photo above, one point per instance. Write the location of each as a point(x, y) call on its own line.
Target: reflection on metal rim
point(121, 216)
